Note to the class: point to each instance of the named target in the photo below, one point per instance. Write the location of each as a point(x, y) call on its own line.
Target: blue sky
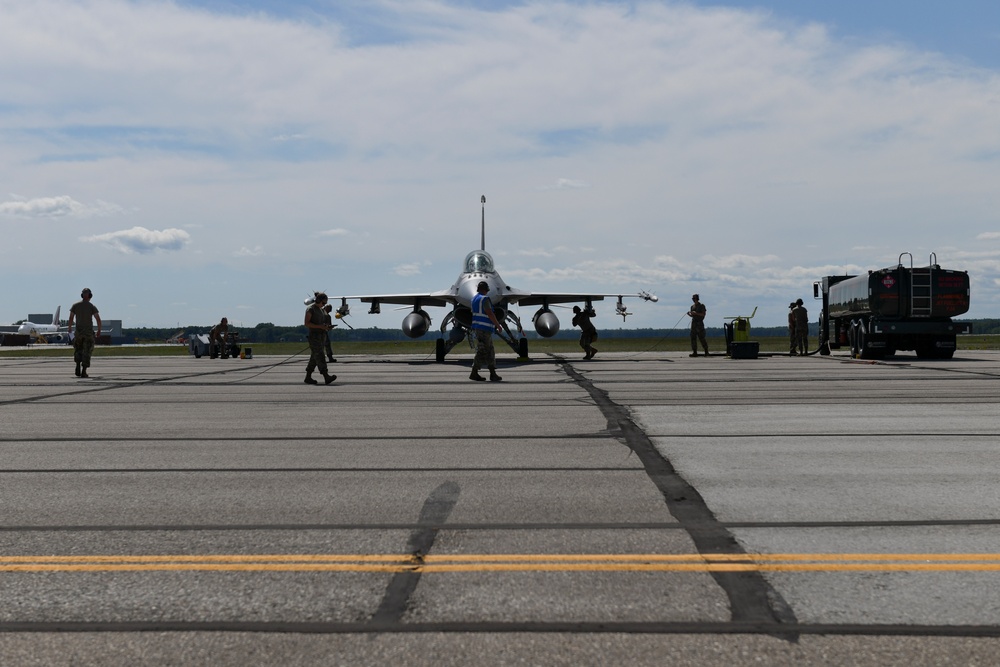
point(192, 160)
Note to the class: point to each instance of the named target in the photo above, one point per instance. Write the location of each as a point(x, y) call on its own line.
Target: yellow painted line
point(180, 558)
point(711, 557)
point(390, 563)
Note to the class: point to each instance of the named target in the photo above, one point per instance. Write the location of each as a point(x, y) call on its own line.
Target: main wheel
point(860, 338)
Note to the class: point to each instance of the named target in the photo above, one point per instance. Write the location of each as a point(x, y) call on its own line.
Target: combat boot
point(474, 375)
point(327, 379)
point(78, 371)
point(493, 375)
point(309, 379)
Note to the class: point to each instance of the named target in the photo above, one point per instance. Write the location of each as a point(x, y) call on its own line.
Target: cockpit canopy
point(478, 261)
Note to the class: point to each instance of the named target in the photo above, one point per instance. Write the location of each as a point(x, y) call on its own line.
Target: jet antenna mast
point(483, 243)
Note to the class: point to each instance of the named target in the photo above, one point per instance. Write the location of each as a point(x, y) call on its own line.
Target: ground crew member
point(484, 323)
point(329, 320)
point(588, 332)
point(82, 312)
point(801, 327)
point(697, 315)
point(791, 329)
point(217, 338)
point(315, 322)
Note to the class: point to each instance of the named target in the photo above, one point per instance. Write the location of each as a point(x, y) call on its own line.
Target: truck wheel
point(860, 340)
point(852, 335)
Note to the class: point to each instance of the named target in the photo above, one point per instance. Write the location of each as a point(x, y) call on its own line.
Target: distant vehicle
point(199, 345)
point(32, 329)
point(478, 267)
point(897, 308)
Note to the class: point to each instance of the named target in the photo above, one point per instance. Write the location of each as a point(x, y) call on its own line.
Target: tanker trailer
point(897, 308)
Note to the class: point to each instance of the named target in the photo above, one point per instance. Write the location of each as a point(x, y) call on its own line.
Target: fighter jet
point(479, 266)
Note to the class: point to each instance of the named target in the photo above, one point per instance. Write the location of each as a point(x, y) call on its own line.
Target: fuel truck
point(897, 308)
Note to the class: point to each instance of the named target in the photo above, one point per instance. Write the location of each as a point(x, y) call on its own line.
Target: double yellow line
point(508, 563)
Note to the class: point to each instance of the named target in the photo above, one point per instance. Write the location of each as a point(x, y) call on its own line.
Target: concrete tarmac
point(642, 508)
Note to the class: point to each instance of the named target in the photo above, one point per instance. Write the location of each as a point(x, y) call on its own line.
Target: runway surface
point(641, 508)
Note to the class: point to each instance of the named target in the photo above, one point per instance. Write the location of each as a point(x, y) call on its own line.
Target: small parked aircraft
point(478, 267)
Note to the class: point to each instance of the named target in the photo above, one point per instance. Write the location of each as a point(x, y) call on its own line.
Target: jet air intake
point(463, 316)
point(416, 323)
point(546, 322)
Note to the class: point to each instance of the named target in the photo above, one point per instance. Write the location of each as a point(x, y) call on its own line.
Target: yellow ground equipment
point(738, 343)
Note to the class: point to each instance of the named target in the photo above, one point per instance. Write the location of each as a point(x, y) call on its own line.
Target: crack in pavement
point(751, 598)
point(433, 515)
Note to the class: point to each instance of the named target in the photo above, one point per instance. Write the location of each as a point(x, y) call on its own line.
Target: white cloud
point(334, 232)
point(406, 270)
point(535, 252)
point(141, 240)
point(56, 207)
point(256, 251)
point(566, 184)
point(738, 261)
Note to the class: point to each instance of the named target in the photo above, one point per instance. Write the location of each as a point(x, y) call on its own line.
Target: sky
point(192, 160)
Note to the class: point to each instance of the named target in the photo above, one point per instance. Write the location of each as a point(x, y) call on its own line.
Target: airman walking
point(82, 313)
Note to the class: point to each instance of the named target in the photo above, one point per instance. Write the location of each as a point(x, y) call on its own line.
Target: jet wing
point(440, 299)
point(548, 299)
point(540, 298)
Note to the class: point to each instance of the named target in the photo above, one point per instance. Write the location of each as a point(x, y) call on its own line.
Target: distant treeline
point(266, 332)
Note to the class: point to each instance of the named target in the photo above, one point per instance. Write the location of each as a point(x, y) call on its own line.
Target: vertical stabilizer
point(482, 245)
point(55, 318)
